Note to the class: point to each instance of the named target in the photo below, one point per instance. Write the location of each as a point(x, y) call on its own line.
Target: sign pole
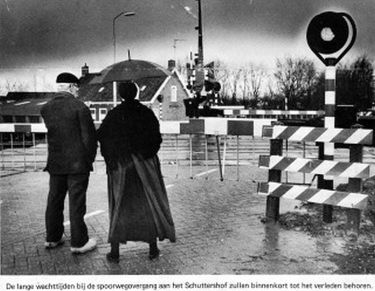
point(333, 34)
point(329, 122)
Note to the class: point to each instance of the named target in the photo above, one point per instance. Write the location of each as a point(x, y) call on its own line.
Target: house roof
point(29, 106)
point(149, 77)
point(153, 81)
point(27, 95)
point(104, 92)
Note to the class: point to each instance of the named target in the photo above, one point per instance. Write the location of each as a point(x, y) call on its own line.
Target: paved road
point(218, 224)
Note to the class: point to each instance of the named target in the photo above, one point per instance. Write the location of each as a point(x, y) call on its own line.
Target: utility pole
point(199, 70)
point(200, 34)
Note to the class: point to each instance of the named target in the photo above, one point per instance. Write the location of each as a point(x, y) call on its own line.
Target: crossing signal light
point(210, 83)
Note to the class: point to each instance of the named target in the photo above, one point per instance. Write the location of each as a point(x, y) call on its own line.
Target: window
point(173, 93)
point(20, 118)
point(7, 118)
point(102, 113)
point(34, 119)
point(93, 113)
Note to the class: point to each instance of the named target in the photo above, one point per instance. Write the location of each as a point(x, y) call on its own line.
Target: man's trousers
point(76, 186)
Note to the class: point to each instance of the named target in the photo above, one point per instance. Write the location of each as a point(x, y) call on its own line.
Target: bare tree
point(15, 86)
point(243, 82)
point(223, 73)
point(257, 76)
point(295, 79)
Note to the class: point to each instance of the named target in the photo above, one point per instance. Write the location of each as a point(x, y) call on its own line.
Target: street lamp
point(123, 13)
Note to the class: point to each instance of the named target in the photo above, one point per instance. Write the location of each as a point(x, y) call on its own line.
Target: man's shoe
point(89, 246)
point(113, 258)
point(154, 254)
point(54, 244)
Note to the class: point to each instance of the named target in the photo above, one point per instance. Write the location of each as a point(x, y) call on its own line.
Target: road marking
point(87, 216)
point(206, 172)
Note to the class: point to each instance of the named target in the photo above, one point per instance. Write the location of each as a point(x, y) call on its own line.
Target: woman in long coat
point(138, 203)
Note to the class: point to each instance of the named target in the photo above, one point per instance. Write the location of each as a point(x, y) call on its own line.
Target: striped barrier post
point(354, 170)
point(34, 151)
point(274, 175)
point(194, 126)
point(355, 184)
point(24, 151)
point(12, 148)
point(238, 157)
point(240, 128)
point(224, 154)
point(206, 153)
point(177, 166)
point(218, 157)
point(329, 122)
point(2, 151)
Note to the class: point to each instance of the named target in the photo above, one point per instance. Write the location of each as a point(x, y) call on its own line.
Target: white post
point(114, 94)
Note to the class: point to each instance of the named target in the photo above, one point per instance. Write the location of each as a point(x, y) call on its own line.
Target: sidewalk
point(218, 226)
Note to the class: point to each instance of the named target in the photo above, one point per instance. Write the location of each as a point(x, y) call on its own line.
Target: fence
point(354, 170)
point(210, 140)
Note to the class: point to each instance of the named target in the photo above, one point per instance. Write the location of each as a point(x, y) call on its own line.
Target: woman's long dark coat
point(138, 203)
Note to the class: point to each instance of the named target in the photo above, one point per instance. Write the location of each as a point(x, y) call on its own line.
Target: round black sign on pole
point(328, 33)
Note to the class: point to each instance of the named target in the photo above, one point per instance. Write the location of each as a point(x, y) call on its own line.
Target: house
point(161, 90)
point(23, 107)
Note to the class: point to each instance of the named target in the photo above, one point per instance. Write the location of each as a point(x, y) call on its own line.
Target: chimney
point(171, 65)
point(85, 70)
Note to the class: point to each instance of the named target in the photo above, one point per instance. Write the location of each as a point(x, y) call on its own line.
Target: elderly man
point(72, 148)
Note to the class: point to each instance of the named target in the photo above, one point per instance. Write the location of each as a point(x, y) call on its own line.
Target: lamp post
point(123, 13)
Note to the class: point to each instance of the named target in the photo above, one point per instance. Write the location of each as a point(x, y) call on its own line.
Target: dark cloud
point(34, 31)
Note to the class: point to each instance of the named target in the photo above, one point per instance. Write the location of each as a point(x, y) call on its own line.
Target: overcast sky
point(63, 35)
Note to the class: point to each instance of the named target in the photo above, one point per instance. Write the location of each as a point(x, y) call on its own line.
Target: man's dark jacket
point(72, 141)
point(129, 128)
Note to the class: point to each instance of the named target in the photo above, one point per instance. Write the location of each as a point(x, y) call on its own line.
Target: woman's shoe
point(113, 258)
point(154, 254)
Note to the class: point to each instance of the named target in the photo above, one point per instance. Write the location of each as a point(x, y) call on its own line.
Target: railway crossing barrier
point(271, 113)
point(217, 128)
point(354, 170)
point(210, 127)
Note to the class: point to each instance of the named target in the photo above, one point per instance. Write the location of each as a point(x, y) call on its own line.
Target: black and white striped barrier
point(23, 128)
point(319, 134)
point(354, 170)
point(315, 166)
point(216, 126)
point(319, 196)
point(274, 113)
point(209, 126)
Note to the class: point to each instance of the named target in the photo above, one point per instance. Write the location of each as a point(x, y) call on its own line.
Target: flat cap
point(67, 78)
